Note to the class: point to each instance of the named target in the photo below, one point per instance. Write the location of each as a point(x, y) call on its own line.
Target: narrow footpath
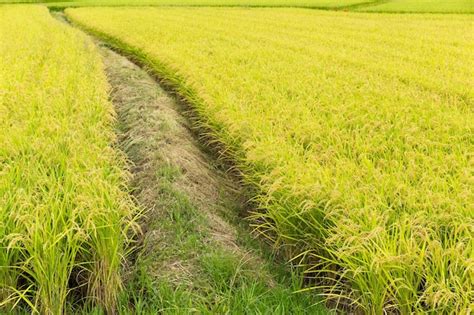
point(197, 253)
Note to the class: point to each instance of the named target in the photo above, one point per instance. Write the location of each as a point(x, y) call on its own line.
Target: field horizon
point(375, 6)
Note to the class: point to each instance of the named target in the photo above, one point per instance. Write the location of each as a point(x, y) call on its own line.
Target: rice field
point(356, 129)
point(426, 6)
point(390, 6)
point(64, 208)
point(252, 3)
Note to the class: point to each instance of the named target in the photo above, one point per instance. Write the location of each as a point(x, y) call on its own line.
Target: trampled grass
point(356, 128)
point(63, 207)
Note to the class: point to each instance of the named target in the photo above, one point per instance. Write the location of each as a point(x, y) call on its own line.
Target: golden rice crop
point(63, 206)
point(292, 3)
point(356, 128)
point(445, 6)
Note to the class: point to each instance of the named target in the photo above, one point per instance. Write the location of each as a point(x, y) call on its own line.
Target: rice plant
point(64, 208)
point(356, 130)
point(426, 6)
point(256, 3)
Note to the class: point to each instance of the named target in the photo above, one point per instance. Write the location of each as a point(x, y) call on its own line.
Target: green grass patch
point(355, 128)
point(64, 209)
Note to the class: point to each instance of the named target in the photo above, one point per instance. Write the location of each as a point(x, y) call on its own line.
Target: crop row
point(355, 128)
point(64, 210)
point(426, 6)
point(299, 3)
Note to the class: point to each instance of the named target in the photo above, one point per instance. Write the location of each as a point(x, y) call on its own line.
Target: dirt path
point(157, 138)
point(159, 143)
point(197, 253)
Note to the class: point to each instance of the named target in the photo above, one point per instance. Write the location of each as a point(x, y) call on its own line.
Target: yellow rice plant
point(357, 130)
point(251, 3)
point(64, 210)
